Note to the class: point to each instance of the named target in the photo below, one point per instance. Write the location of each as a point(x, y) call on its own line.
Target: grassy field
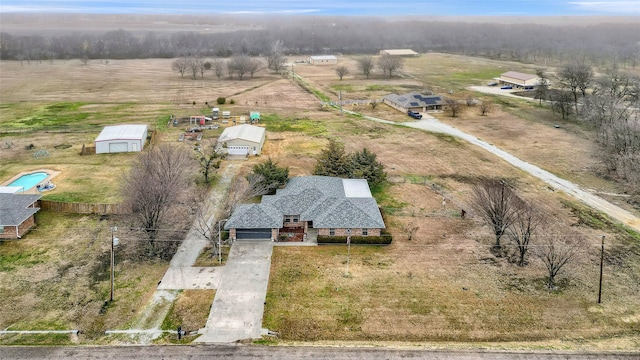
point(443, 286)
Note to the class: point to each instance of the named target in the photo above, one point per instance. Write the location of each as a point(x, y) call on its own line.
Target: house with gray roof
point(17, 214)
point(414, 101)
point(242, 140)
point(323, 205)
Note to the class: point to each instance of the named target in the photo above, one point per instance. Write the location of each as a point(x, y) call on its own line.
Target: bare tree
point(239, 65)
point(254, 66)
point(556, 251)
point(275, 59)
point(390, 64)
point(485, 107)
point(243, 189)
point(180, 65)
point(366, 65)
point(526, 221)
point(203, 218)
point(157, 182)
point(542, 88)
point(209, 159)
point(195, 65)
point(341, 71)
point(84, 59)
point(454, 107)
point(561, 102)
point(218, 67)
point(410, 229)
point(576, 77)
point(495, 203)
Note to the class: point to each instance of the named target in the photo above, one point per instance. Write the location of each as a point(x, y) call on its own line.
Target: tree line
point(610, 104)
point(596, 44)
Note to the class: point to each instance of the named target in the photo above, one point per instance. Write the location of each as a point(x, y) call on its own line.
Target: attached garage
point(121, 138)
point(253, 234)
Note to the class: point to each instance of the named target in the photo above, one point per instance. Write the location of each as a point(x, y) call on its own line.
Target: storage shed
point(121, 138)
point(242, 139)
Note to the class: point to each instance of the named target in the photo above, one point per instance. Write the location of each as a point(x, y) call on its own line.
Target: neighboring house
point(17, 214)
point(323, 60)
point(121, 138)
point(327, 205)
point(519, 80)
point(399, 52)
point(414, 101)
point(242, 139)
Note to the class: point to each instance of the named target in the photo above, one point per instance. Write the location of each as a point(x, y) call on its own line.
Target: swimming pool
point(29, 180)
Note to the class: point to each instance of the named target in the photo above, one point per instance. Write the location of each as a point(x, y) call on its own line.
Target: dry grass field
point(442, 286)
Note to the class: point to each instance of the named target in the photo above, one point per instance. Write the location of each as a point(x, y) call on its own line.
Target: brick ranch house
point(17, 214)
point(321, 205)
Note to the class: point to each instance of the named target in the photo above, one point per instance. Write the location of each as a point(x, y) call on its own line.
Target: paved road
point(236, 313)
point(431, 124)
point(236, 352)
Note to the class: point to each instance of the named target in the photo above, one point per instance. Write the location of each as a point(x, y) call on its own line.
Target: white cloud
point(615, 7)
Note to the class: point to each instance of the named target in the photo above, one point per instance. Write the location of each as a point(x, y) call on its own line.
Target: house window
point(291, 219)
point(332, 232)
point(365, 232)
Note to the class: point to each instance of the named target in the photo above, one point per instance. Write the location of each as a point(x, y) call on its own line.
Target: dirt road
point(431, 124)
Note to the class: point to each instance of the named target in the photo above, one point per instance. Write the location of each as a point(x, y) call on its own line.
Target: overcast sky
point(330, 7)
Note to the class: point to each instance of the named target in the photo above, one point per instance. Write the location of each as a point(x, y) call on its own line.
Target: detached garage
point(243, 140)
point(121, 138)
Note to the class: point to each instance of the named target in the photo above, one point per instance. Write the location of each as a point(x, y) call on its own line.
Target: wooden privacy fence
point(81, 208)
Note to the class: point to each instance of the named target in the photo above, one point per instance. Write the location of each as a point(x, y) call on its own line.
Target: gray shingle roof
point(14, 208)
point(321, 199)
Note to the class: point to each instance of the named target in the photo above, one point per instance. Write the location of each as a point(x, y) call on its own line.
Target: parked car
point(492, 84)
point(414, 114)
point(506, 87)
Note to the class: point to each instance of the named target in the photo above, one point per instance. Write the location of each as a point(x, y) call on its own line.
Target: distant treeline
point(592, 43)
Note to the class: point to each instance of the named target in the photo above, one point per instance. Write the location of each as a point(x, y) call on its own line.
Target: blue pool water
point(30, 180)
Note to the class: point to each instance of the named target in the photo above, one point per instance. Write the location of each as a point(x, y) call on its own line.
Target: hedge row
point(384, 239)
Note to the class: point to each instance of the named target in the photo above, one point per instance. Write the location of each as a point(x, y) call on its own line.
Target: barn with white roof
point(121, 138)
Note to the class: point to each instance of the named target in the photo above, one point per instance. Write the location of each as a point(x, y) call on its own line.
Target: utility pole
point(113, 273)
point(601, 265)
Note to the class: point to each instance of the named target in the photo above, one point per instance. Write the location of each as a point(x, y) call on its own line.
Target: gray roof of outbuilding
point(14, 208)
point(321, 199)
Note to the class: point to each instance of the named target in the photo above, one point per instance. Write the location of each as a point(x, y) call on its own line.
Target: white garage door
point(118, 147)
point(238, 150)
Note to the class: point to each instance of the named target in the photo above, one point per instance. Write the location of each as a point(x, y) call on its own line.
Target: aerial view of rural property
point(308, 180)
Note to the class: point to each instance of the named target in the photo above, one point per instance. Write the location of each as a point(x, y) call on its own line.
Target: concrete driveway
point(236, 313)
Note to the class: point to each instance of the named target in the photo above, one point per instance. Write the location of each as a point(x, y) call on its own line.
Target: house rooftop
point(414, 99)
point(329, 202)
point(519, 75)
point(14, 208)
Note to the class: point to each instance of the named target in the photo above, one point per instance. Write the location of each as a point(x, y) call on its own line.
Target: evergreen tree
point(365, 165)
point(333, 161)
point(272, 175)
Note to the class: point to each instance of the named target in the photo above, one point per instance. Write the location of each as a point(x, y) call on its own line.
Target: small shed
point(323, 60)
point(121, 138)
point(254, 116)
point(243, 139)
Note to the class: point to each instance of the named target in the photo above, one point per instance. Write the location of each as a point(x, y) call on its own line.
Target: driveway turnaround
point(236, 313)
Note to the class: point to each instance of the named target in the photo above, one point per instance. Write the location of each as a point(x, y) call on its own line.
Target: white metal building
point(121, 138)
point(323, 60)
point(243, 139)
